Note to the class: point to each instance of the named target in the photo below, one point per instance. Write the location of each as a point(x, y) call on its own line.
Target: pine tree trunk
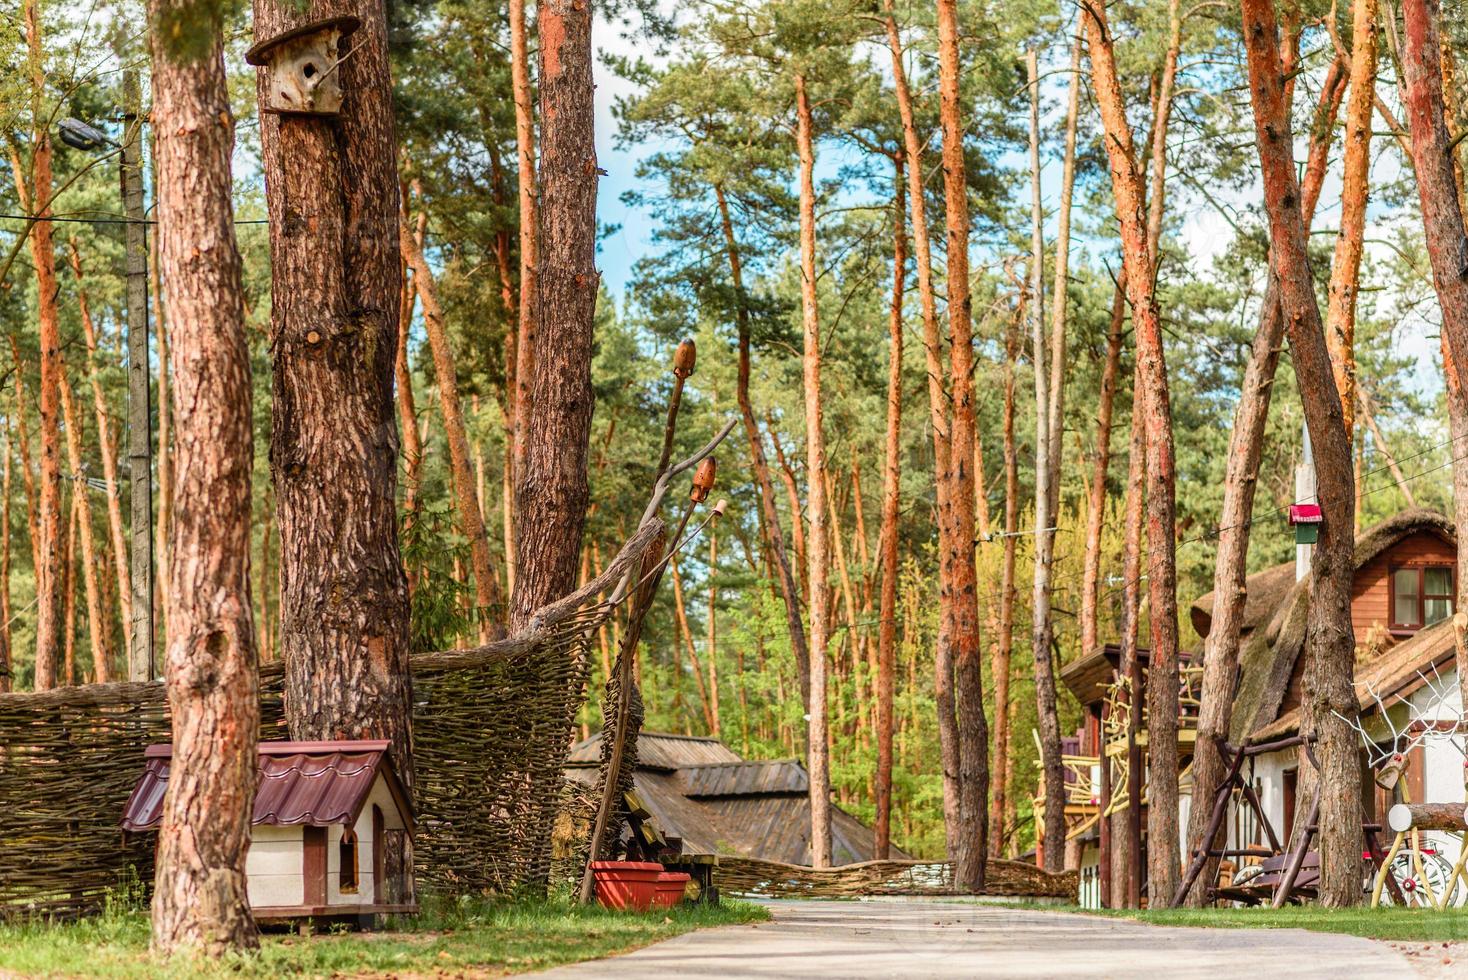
point(407, 408)
point(67, 587)
point(1162, 675)
point(971, 854)
point(1055, 422)
point(164, 455)
point(891, 511)
point(529, 304)
point(23, 449)
point(1246, 448)
point(466, 500)
point(43, 258)
point(1041, 637)
point(199, 901)
point(7, 654)
point(815, 443)
point(1440, 189)
point(98, 629)
point(1004, 648)
point(552, 490)
point(774, 534)
point(792, 498)
point(336, 289)
point(1096, 502)
point(108, 448)
point(1345, 274)
point(1329, 643)
point(713, 635)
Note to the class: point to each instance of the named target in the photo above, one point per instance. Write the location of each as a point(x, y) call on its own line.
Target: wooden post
point(140, 663)
point(1103, 882)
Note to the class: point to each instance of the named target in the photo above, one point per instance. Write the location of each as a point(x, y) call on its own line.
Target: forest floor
point(469, 939)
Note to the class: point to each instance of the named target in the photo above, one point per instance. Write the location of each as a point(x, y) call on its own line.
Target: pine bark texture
point(336, 271)
point(200, 903)
point(1241, 474)
point(1329, 641)
point(552, 489)
point(815, 468)
point(1151, 381)
point(1000, 805)
point(957, 552)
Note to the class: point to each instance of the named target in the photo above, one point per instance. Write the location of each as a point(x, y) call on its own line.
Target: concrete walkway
point(951, 939)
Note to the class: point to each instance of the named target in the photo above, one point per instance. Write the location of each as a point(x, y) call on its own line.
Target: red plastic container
point(671, 887)
point(626, 884)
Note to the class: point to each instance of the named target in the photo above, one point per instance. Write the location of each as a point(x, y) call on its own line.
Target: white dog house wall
point(301, 66)
point(328, 818)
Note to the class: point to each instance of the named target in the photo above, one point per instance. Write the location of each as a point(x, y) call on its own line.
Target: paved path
point(941, 939)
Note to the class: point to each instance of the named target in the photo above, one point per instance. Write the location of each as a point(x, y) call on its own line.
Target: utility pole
point(140, 662)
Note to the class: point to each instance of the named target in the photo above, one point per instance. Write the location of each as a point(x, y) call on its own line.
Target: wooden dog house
point(328, 819)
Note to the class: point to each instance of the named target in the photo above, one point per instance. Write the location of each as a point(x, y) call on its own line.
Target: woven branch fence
point(771, 879)
point(490, 730)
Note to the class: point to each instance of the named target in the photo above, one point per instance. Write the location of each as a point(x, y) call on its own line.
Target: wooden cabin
point(328, 819)
point(1403, 594)
point(714, 802)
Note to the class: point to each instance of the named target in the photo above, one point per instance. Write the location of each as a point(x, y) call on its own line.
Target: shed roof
point(312, 783)
point(660, 750)
point(745, 778)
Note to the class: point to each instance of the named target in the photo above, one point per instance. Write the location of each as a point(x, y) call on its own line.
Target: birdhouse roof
point(309, 783)
point(259, 54)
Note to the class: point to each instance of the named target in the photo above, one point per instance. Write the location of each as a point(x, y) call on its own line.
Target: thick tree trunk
point(466, 500)
point(43, 257)
point(891, 511)
point(938, 423)
point(1246, 448)
point(98, 631)
point(1041, 630)
point(199, 902)
point(815, 470)
point(774, 534)
point(552, 489)
point(1162, 676)
point(1329, 643)
point(971, 854)
point(336, 288)
point(107, 447)
point(529, 308)
point(1345, 275)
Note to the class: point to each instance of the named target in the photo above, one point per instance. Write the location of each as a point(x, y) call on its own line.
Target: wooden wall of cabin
point(1371, 591)
point(1371, 598)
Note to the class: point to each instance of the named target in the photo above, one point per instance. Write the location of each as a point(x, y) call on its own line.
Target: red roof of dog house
point(312, 783)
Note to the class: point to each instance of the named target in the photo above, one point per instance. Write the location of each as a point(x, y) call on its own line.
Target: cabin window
point(347, 851)
point(1421, 596)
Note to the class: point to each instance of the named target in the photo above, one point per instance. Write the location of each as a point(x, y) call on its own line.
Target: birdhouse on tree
point(301, 67)
point(1306, 519)
point(328, 820)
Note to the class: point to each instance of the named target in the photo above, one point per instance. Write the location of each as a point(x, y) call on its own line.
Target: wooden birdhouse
point(301, 67)
point(1306, 519)
point(325, 816)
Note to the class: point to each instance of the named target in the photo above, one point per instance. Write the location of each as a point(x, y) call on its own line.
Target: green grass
point(471, 937)
point(1412, 925)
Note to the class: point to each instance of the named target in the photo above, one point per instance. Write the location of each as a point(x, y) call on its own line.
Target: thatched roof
point(1392, 677)
point(1267, 658)
point(1263, 592)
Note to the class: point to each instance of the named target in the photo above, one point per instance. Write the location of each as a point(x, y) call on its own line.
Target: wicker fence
point(490, 731)
point(771, 879)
